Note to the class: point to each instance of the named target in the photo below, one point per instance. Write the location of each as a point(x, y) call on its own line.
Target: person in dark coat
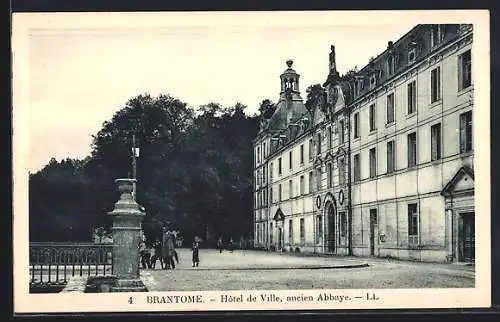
point(145, 254)
point(219, 244)
point(156, 255)
point(196, 253)
point(168, 250)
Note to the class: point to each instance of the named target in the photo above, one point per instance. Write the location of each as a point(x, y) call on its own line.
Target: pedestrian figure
point(156, 254)
point(231, 245)
point(242, 242)
point(196, 253)
point(168, 250)
point(145, 254)
point(176, 257)
point(219, 244)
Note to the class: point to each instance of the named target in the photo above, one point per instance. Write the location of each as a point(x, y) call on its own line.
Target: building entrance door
point(331, 229)
point(280, 238)
point(373, 226)
point(468, 237)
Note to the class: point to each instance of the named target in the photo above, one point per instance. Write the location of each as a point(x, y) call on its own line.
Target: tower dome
point(290, 106)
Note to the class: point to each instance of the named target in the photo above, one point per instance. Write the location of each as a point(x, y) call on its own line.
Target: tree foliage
point(267, 108)
point(194, 171)
point(315, 94)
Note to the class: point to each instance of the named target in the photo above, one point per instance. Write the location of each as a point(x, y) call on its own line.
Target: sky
point(81, 73)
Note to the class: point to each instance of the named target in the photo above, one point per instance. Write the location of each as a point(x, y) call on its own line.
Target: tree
point(194, 171)
point(267, 108)
point(315, 95)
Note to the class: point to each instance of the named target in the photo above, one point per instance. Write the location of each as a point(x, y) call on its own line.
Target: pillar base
point(129, 285)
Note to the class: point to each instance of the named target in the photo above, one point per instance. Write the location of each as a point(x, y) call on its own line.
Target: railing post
point(127, 218)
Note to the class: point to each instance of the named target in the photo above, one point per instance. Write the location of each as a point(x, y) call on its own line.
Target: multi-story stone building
point(381, 163)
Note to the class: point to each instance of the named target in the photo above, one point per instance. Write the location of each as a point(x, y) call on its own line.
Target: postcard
point(239, 161)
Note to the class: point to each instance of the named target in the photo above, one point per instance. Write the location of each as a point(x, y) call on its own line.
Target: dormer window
point(412, 54)
point(436, 35)
point(359, 86)
point(373, 81)
point(391, 65)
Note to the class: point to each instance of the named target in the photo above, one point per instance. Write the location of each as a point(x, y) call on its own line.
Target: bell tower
point(289, 79)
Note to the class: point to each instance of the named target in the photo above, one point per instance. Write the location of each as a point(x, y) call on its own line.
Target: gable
point(462, 181)
point(279, 216)
point(465, 183)
point(340, 152)
point(319, 116)
point(340, 103)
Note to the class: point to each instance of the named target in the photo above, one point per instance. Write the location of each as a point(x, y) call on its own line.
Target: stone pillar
point(450, 234)
point(127, 218)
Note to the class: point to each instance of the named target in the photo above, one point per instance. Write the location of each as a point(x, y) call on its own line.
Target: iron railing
point(53, 263)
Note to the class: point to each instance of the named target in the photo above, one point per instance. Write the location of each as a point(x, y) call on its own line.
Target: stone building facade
point(380, 163)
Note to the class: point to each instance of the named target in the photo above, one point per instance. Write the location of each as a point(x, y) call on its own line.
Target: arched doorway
point(330, 237)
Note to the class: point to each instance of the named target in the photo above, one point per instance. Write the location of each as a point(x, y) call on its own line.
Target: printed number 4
point(130, 301)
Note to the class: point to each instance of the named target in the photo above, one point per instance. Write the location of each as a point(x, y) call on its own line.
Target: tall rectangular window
point(412, 97)
point(390, 108)
point(280, 193)
point(341, 131)
point(329, 133)
point(412, 149)
point(270, 195)
point(436, 142)
point(290, 189)
point(311, 181)
point(373, 163)
point(258, 154)
point(341, 165)
point(290, 160)
point(466, 132)
point(279, 166)
point(310, 149)
point(302, 154)
point(318, 179)
point(271, 233)
point(318, 142)
point(302, 232)
point(343, 224)
point(319, 228)
point(301, 185)
point(435, 84)
point(329, 175)
point(271, 171)
point(390, 156)
point(373, 114)
point(413, 224)
point(290, 231)
point(356, 125)
point(357, 169)
point(464, 70)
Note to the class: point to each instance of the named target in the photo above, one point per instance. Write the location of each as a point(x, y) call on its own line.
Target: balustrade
point(53, 263)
